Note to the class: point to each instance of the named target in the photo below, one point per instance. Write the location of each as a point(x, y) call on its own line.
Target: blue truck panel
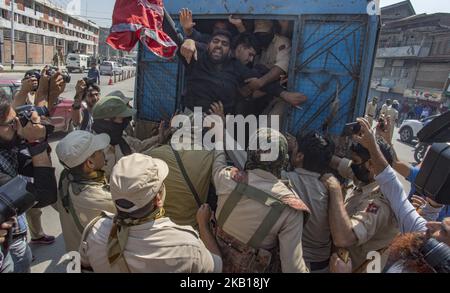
point(334, 45)
point(268, 7)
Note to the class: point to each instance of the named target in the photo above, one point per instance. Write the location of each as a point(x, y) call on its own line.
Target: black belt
point(317, 266)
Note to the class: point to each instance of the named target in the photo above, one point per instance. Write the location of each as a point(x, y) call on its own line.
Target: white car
point(110, 68)
point(409, 128)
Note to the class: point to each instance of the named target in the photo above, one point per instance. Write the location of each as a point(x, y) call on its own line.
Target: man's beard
point(406, 249)
point(217, 61)
point(10, 144)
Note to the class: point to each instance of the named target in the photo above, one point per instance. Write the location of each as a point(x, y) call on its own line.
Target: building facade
point(43, 29)
point(413, 57)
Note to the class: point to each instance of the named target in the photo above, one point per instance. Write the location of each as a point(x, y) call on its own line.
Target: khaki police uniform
point(393, 117)
point(248, 214)
point(371, 112)
point(81, 197)
point(372, 219)
point(277, 54)
point(159, 246)
point(149, 244)
point(180, 204)
point(113, 153)
point(316, 238)
point(88, 201)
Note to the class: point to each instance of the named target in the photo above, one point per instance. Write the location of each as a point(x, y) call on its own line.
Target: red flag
point(135, 20)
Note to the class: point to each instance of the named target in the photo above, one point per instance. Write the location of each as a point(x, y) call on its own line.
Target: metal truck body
point(333, 49)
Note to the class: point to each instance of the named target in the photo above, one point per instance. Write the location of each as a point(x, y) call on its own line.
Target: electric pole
point(13, 47)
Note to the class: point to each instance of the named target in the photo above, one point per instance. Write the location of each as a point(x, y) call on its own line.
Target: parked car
point(110, 68)
point(127, 61)
point(409, 128)
point(77, 62)
point(9, 87)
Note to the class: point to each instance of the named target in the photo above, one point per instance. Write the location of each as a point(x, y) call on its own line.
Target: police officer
point(83, 189)
point(392, 115)
point(112, 116)
point(139, 238)
point(371, 110)
point(259, 215)
point(273, 61)
point(310, 156)
point(364, 222)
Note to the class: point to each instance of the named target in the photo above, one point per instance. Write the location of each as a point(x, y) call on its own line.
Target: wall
point(49, 52)
point(35, 53)
point(20, 56)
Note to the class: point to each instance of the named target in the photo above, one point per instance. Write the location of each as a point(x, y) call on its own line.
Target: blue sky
point(100, 11)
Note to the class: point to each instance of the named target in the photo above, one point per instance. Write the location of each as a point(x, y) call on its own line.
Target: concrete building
point(41, 30)
point(413, 57)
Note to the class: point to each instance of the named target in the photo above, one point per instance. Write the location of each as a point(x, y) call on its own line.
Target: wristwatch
point(38, 148)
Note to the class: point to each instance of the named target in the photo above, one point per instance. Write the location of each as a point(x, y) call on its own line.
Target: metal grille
point(329, 61)
point(157, 89)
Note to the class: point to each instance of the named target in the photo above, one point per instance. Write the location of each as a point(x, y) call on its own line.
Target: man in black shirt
point(213, 75)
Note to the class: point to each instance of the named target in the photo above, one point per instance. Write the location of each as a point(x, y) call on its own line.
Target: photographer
point(39, 88)
point(15, 161)
point(406, 252)
point(428, 208)
point(87, 95)
point(409, 220)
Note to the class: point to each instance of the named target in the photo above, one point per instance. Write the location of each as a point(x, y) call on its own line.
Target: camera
point(352, 128)
point(25, 112)
point(437, 255)
point(53, 70)
point(433, 180)
point(15, 199)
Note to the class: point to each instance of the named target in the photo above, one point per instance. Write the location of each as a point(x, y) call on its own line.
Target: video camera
point(433, 180)
point(25, 112)
point(15, 199)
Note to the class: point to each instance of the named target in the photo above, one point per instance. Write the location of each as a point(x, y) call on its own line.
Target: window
point(5, 14)
point(398, 63)
point(404, 73)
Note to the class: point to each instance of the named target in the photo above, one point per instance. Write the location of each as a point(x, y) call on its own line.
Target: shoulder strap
point(186, 177)
point(276, 208)
point(89, 226)
point(66, 200)
point(85, 121)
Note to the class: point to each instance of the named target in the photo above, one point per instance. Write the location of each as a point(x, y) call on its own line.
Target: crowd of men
point(130, 205)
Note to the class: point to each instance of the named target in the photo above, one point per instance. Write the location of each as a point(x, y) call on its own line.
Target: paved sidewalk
point(20, 68)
